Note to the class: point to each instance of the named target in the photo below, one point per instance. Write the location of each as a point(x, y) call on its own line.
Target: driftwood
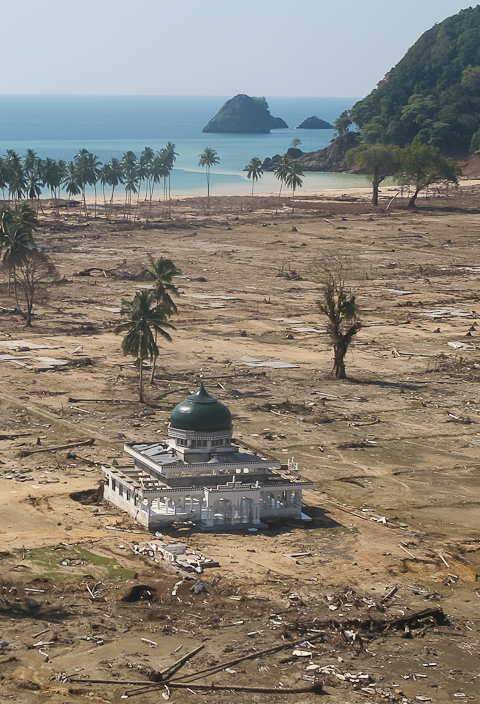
point(159, 675)
point(87, 272)
point(390, 593)
point(397, 353)
point(79, 443)
point(391, 201)
point(13, 436)
point(366, 624)
point(100, 400)
point(436, 613)
point(407, 551)
point(314, 688)
point(359, 425)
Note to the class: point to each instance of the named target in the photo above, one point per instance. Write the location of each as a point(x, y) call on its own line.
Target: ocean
point(108, 126)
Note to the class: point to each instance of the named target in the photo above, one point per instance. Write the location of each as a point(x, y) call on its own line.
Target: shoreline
point(333, 193)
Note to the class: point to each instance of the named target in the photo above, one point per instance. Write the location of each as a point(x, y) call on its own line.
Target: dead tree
point(33, 273)
point(340, 307)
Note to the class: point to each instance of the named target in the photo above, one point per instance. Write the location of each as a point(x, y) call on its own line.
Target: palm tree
point(16, 234)
point(116, 175)
point(53, 174)
point(30, 162)
point(157, 172)
point(163, 156)
point(142, 175)
point(103, 177)
point(282, 168)
point(15, 175)
point(160, 272)
point(3, 176)
point(208, 158)
point(130, 170)
point(171, 156)
point(93, 172)
point(294, 180)
point(82, 174)
point(254, 171)
point(32, 165)
point(143, 320)
point(70, 182)
point(146, 161)
point(87, 167)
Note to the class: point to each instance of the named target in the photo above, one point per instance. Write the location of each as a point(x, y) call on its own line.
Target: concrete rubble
point(176, 553)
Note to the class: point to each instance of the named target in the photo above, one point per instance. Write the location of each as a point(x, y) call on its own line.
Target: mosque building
point(201, 475)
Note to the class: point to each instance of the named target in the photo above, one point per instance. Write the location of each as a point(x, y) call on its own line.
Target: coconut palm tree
point(160, 272)
point(103, 177)
point(142, 175)
point(87, 167)
point(171, 156)
point(294, 180)
point(116, 175)
point(282, 168)
point(254, 171)
point(143, 321)
point(3, 176)
point(146, 161)
point(94, 165)
point(30, 162)
point(32, 165)
point(82, 174)
point(53, 174)
point(70, 182)
point(157, 172)
point(16, 234)
point(208, 158)
point(15, 175)
point(130, 170)
point(163, 156)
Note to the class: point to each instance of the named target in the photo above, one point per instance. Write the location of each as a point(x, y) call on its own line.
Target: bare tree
point(340, 307)
point(34, 272)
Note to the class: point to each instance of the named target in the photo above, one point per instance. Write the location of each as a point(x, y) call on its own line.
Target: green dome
point(201, 413)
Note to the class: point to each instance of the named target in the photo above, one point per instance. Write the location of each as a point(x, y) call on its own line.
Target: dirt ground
point(384, 599)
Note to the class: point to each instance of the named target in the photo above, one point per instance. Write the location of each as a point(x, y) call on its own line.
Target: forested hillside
point(433, 92)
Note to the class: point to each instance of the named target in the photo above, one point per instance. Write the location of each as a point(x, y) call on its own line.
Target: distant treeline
point(25, 177)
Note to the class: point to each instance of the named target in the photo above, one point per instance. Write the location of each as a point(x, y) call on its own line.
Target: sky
point(315, 48)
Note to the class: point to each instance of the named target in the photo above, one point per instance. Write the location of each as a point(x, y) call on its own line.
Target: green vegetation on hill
point(433, 94)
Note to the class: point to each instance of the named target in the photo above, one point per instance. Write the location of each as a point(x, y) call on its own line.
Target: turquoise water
point(108, 126)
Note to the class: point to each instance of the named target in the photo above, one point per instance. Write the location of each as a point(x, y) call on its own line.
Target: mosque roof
point(201, 412)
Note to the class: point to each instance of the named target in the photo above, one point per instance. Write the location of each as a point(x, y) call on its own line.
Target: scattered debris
point(177, 553)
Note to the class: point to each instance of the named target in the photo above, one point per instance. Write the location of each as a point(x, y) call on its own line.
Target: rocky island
point(315, 123)
point(332, 158)
point(245, 115)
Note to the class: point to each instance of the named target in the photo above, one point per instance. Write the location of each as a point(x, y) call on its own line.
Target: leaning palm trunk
point(111, 201)
point(154, 362)
point(85, 202)
point(140, 383)
point(279, 195)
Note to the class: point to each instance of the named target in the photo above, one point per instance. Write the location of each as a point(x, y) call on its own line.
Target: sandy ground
point(393, 452)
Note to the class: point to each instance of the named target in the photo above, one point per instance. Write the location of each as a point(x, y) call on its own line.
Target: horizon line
point(162, 95)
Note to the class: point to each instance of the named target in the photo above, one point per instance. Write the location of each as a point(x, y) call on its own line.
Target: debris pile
point(177, 553)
